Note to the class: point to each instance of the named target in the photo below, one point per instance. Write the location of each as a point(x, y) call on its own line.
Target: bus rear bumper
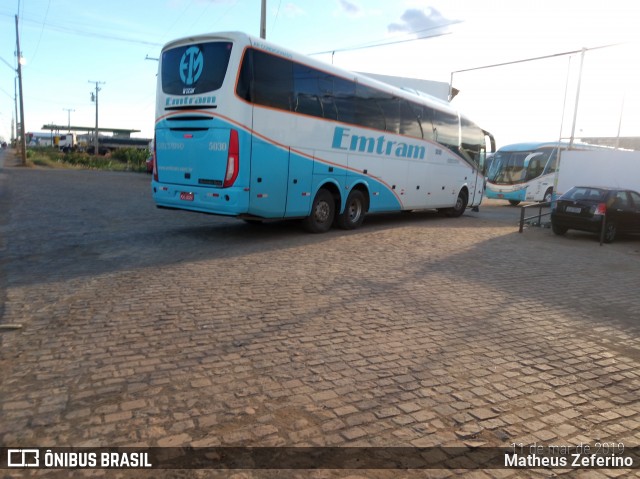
point(228, 201)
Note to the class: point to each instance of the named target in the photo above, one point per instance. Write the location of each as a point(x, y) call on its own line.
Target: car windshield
point(585, 193)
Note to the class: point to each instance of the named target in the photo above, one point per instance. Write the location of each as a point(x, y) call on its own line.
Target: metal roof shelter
point(117, 132)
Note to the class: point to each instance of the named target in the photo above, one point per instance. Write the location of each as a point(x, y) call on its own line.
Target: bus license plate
point(186, 196)
point(573, 209)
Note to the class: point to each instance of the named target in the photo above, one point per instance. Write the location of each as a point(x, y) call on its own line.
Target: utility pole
point(263, 20)
point(21, 130)
point(68, 110)
point(575, 111)
point(15, 100)
point(95, 98)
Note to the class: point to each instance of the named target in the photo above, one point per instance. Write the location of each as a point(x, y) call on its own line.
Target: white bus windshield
point(513, 167)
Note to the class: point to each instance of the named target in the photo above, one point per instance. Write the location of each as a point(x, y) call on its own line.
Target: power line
point(8, 64)
point(554, 55)
point(393, 42)
point(41, 31)
point(515, 62)
point(88, 34)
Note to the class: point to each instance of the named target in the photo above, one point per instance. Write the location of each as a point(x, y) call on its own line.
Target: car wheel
point(461, 205)
point(322, 213)
point(610, 231)
point(354, 211)
point(514, 202)
point(558, 230)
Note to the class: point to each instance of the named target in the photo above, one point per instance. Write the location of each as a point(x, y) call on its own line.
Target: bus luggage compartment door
point(269, 174)
point(192, 156)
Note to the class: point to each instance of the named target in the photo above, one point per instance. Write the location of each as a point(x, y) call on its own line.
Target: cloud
point(415, 20)
point(350, 8)
point(291, 10)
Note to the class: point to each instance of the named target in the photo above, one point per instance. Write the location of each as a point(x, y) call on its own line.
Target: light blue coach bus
point(249, 129)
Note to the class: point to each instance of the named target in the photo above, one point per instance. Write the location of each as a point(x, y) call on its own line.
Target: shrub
point(128, 159)
point(134, 158)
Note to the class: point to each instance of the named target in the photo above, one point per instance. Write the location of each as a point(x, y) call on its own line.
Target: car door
point(634, 212)
point(621, 212)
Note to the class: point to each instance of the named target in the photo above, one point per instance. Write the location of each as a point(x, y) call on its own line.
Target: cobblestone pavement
point(146, 327)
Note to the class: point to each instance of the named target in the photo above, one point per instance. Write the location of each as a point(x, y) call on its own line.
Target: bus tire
point(354, 211)
point(548, 195)
point(322, 213)
point(461, 205)
point(514, 202)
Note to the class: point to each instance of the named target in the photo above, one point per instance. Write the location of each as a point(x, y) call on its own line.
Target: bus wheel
point(514, 202)
point(547, 195)
point(322, 213)
point(461, 205)
point(354, 211)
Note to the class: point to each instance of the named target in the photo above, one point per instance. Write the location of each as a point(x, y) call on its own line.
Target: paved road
point(149, 327)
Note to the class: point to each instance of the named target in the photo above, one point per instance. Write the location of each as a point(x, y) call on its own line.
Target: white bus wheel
point(354, 211)
point(460, 206)
point(322, 213)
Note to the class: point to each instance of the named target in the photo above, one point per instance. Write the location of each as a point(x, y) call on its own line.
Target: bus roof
point(265, 45)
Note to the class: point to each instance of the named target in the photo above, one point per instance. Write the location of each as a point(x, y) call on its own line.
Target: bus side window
point(472, 142)
point(446, 129)
point(327, 99)
point(243, 89)
point(534, 169)
point(307, 91)
point(344, 92)
point(273, 81)
point(552, 164)
point(329, 108)
point(410, 123)
point(426, 121)
point(368, 111)
point(391, 110)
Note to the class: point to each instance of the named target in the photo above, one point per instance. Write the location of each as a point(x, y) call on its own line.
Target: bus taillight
point(155, 160)
point(233, 160)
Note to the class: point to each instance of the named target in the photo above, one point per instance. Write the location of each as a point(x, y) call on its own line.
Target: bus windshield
point(513, 167)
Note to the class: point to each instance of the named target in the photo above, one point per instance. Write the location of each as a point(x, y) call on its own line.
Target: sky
point(68, 45)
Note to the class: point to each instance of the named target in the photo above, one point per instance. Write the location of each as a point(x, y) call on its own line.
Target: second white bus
point(527, 171)
point(250, 129)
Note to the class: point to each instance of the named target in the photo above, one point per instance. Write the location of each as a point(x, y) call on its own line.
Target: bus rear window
point(196, 68)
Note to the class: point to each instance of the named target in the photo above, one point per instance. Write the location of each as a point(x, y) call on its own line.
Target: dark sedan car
point(149, 164)
point(584, 207)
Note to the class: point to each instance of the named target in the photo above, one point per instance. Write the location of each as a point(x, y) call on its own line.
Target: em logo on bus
point(191, 65)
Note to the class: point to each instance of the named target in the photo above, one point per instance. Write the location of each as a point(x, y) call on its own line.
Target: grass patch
point(128, 159)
